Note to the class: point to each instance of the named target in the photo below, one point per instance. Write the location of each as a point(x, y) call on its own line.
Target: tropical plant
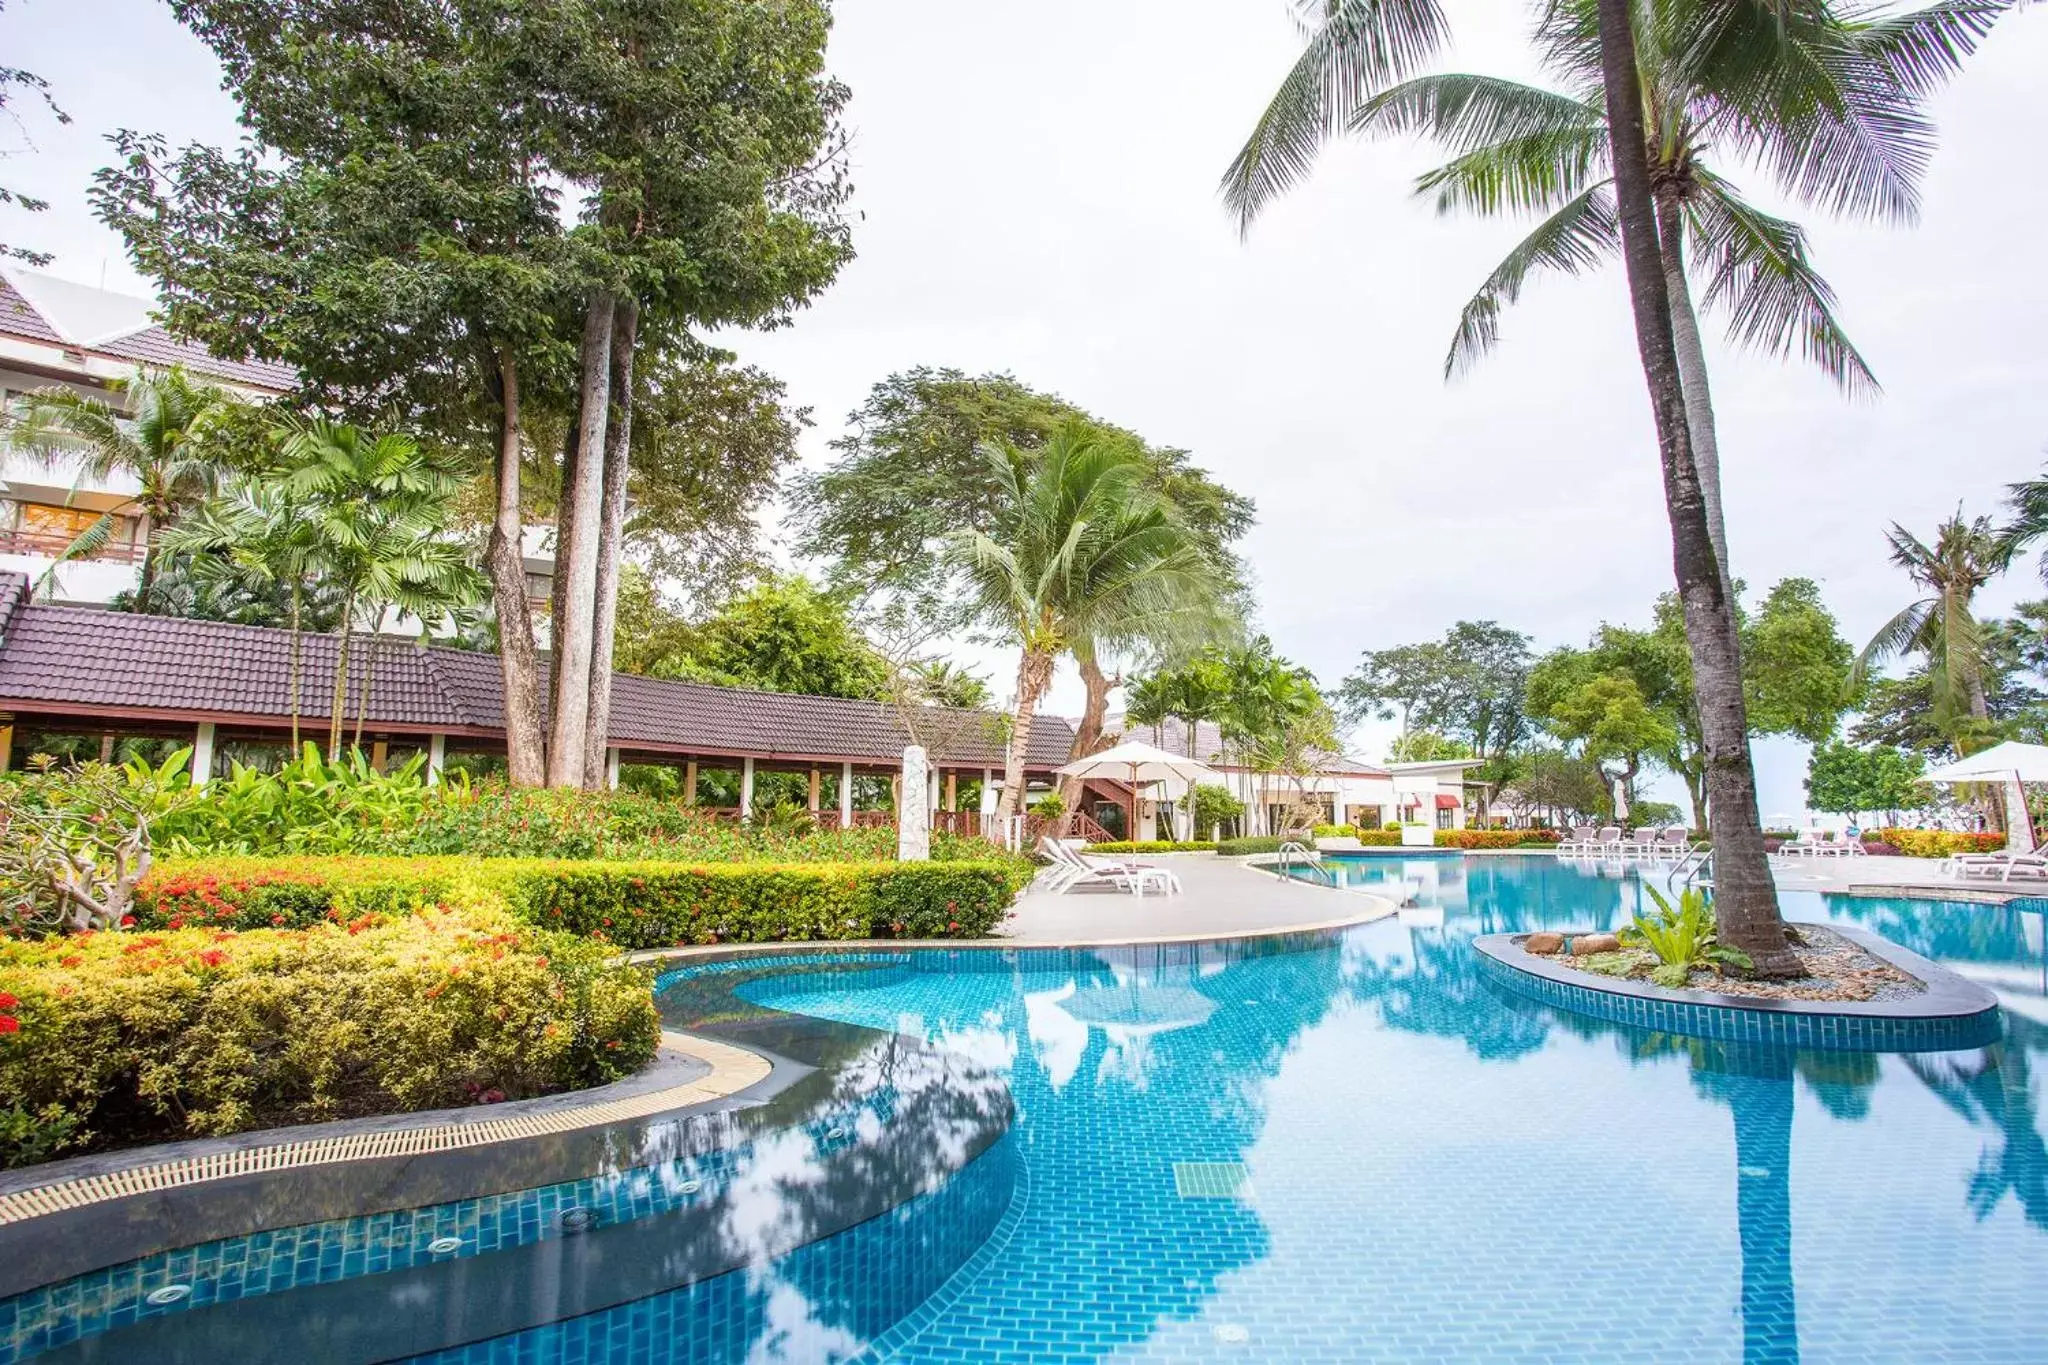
point(1210, 806)
point(162, 446)
point(75, 842)
point(1942, 626)
point(376, 510)
point(1078, 548)
point(1683, 938)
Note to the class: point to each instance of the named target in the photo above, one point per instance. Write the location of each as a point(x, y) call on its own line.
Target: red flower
point(954, 925)
point(7, 1001)
point(9, 1024)
point(213, 957)
point(127, 921)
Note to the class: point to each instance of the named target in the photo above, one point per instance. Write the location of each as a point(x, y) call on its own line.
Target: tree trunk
point(369, 677)
point(1034, 675)
point(505, 561)
point(574, 616)
point(1692, 377)
point(145, 579)
point(338, 719)
point(618, 467)
point(298, 593)
point(1088, 734)
point(1745, 897)
point(558, 581)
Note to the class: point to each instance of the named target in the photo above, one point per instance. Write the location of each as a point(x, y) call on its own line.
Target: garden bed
point(1837, 968)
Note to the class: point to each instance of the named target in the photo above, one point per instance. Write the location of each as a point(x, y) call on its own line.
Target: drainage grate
point(1211, 1179)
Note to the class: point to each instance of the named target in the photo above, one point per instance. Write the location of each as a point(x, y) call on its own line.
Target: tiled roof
point(148, 346)
point(19, 318)
point(1172, 736)
point(76, 657)
point(155, 346)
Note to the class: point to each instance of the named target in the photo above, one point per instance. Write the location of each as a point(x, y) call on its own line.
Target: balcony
point(51, 544)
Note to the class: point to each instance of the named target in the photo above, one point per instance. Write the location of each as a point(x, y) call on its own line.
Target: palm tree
point(376, 508)
point(1828, 105)
point(1942, 626)
point(161, 446)
point(1079, 549)
point(254, 529)
point(1827, 102)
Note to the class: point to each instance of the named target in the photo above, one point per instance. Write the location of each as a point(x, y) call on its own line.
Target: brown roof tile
point(76, 657)
point(19, 318)
point(155, 346)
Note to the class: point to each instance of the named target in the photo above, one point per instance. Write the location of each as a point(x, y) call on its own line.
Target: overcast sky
point(1035, 193)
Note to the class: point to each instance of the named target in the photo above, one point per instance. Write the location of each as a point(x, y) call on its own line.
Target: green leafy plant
point(75, 842)
point(1683, 938)
point(1243, 848)
point(1155, 846)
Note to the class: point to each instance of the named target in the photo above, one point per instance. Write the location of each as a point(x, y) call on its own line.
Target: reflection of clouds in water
point(1057, 1038)
point(986, 1043)
point(791, 1331)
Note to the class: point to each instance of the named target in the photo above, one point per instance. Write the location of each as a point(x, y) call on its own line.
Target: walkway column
point(845, 795)
point(913, 815)
point(202, 754)
point(746, 789)
point(690, 782)
point(814, 789)
point(988, 792)
point(611, 769)
point(437, 758)
point(6, 740)
point(952, 802)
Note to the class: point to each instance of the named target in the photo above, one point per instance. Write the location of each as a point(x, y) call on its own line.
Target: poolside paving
point(1218, 897)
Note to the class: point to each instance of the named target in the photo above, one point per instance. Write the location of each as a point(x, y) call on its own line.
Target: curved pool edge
point(1952, 1014)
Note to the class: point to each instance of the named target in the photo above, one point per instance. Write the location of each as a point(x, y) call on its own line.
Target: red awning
point(1447, 802)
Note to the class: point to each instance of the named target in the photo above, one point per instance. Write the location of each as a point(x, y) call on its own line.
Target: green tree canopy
point(1469, 687)
point(1846, 780)
point(783, 634)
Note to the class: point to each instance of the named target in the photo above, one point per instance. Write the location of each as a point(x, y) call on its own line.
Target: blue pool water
point(1357, 1149)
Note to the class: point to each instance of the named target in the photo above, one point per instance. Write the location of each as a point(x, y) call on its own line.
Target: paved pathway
point(1218, 898)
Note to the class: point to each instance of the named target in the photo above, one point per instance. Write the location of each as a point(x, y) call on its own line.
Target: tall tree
point(1079, 547)
point(1942, 627)
point(1359, 48)
point(155, 434)
point(1469, 687)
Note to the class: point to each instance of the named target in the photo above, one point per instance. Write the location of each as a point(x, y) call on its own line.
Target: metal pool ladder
point(1293, 853)
point(1694, 869)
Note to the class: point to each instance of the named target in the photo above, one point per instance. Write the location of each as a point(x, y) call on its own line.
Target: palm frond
point(1904, 633)
point(1354, 47)
point(1757, 269)
point(1573, 239)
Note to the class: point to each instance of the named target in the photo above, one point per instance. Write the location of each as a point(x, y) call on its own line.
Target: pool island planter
point(1951, 1013)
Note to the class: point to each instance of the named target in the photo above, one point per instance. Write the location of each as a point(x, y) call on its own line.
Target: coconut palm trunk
point(1745, 896)
point(575, 615)
point(1034, 676)
point(1691, 355)
point(611, 536)
point(1088, 734)
point(505, 563)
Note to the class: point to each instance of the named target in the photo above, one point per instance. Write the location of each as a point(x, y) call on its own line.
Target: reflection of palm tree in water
point(1992, 1089)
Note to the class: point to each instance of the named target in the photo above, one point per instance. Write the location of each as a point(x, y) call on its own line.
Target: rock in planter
point(1544, 944)
point(1585, 945)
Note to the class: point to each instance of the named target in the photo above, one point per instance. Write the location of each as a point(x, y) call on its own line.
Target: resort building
point(1346, 789)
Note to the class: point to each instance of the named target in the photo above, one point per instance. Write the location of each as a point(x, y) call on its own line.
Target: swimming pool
point(1341, 1147)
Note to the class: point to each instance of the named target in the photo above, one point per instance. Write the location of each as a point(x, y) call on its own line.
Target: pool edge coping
point(733, 1070)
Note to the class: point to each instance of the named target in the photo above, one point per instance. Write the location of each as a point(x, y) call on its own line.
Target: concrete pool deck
point(1220, 898)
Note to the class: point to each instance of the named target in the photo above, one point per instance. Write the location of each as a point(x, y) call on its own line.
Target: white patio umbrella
point(2013, 764)
point(1138, 764)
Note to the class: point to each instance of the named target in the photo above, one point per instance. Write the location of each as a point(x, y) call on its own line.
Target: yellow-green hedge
point(630, 904)
point(116, 1038)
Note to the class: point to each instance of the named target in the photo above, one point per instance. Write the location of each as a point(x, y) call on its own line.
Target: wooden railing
point(51, 544)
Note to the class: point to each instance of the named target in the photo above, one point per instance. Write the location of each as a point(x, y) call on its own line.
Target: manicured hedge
point(1493, 838)
point(113, 1039)
point(1243, 848)
point(630, 904)
point(1155, 846)
point(1936, 843)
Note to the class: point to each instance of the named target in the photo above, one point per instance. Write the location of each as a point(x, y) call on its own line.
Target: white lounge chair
point(2002, 865)
point(1125, 876)
point(1608, 841)
point(1643, 841)
point(1799, 846)
point(1674, 840)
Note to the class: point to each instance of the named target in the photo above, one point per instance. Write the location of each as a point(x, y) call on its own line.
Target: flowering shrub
point(1154, 846)
point(630, 904)
point(1935, 843)
point(116, 1039)
point(1493, 838)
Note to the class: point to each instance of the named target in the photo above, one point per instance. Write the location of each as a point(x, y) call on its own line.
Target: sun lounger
point(1608, 841)
point(1673, 840)
point(1082, 870)
point(1584, 839)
